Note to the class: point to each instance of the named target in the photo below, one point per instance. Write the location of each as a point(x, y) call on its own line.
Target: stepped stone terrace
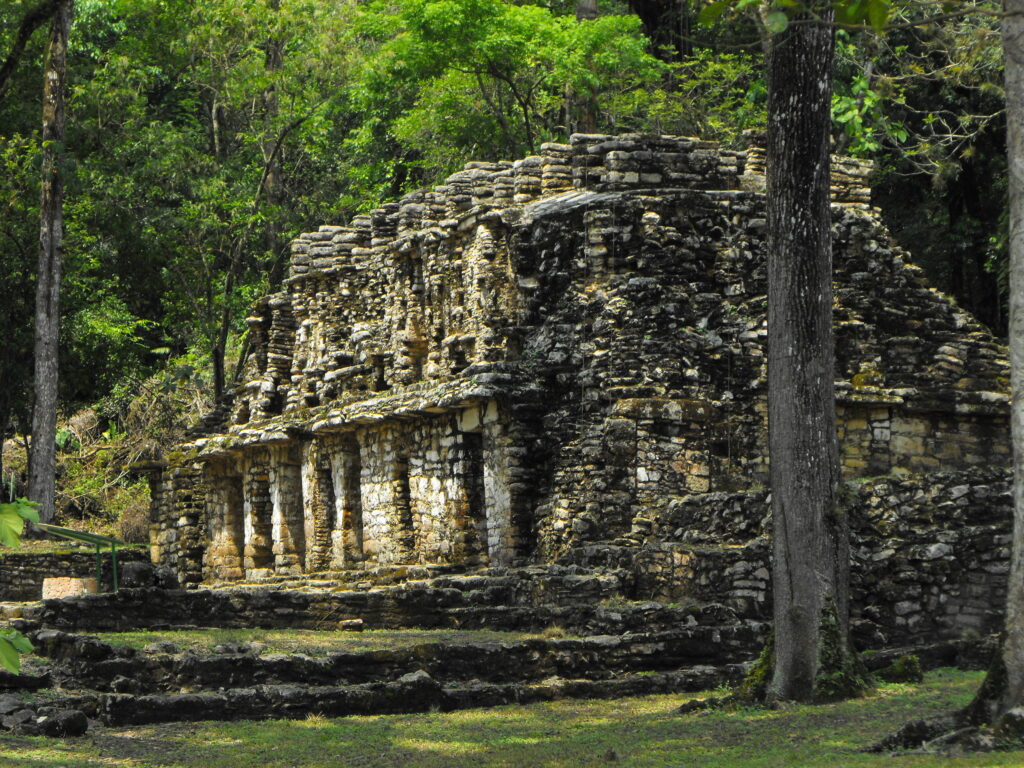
point(562, 360)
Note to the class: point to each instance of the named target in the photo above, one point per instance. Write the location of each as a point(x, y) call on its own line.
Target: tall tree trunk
point(810, 539)
point(42, 462)
point(5, 424)
point(1013, 638)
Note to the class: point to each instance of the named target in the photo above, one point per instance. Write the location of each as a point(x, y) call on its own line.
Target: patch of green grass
point(312, 642)
point(641, 732)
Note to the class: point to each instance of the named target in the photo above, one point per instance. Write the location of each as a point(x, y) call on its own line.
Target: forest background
point(202, 135)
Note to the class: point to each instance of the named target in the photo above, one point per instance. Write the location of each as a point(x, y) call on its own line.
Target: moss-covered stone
point(906, 669)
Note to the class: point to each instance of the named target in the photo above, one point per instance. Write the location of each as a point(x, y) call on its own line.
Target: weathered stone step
point(414, 692)
point(83, 662)
point(556, 583)
point(528, 598)
point(9, 611)
point(354, 578)
point(408, 606)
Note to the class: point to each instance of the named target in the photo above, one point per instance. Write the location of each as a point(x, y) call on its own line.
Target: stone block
point(58, 587)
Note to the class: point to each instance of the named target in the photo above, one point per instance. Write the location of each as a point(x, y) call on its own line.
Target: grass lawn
point(311, 642)
point(569, 734)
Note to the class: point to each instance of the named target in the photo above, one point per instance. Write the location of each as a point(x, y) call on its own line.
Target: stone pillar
point(258, 557)
point(489, 534)
point(390, 502)
point(346, 548)
point(187, 520)
point(404, 515)
point(318, 505)
point(497, 444)
point(471, 517)
point(225, 518)
point(287, 515)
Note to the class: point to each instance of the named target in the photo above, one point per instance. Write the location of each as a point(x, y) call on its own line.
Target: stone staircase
point(532, 598)
point(621, 646)
point(120, 685)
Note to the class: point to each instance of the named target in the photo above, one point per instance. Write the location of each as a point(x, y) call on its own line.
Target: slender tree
point(1013, 642)
point(811, 655)
point(810, 535)
point(51, 252)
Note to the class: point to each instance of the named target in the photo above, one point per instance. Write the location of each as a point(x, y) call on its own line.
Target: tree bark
point(1013, 638)
point(42, 461)
point(810, 539)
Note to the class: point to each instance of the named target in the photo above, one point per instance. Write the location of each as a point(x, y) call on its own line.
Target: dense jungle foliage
point(203, 134)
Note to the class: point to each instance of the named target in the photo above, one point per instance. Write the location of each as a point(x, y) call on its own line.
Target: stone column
point(318, 505)
point(225, 520)
point(501, 534)
point(469, 512)
point(491, 515)
point(287, 515)
point(345, 458)
point(258, 558)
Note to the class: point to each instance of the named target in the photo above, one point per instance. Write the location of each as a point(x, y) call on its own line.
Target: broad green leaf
point(709, 13)
point(27, 510)
point(776, 22)
point(878, 14)
point(11, 526)
point(10, 659)
point(12, 520)
point(851, 12)
point(18, 640)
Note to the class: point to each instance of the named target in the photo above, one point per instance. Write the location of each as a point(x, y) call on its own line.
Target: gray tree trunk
point(1013, 639)
point(810, 573)
point(42, 460)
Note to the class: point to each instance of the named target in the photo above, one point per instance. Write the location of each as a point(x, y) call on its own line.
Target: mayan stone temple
point(561, 362)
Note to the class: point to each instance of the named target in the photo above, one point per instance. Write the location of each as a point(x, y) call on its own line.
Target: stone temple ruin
point(533, 399)
point(561, 361)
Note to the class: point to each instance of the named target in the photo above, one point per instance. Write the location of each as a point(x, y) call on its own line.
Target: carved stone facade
point(540, 356)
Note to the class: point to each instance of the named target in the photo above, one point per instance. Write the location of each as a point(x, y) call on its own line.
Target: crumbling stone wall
point(22, 573)
point(530, 360)
point(930, 554)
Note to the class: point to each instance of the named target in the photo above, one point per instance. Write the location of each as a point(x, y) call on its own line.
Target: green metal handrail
point(97, 540)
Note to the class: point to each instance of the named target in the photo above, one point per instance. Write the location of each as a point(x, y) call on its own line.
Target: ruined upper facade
point(541, 355)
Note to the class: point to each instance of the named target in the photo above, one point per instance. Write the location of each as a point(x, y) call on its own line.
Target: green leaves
point(857, 12)
point(12, 520)
point(489, 79)
point(850, 13)
point(12, 645)
point(776, 21)
point(709, 13)
point(12, 523)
